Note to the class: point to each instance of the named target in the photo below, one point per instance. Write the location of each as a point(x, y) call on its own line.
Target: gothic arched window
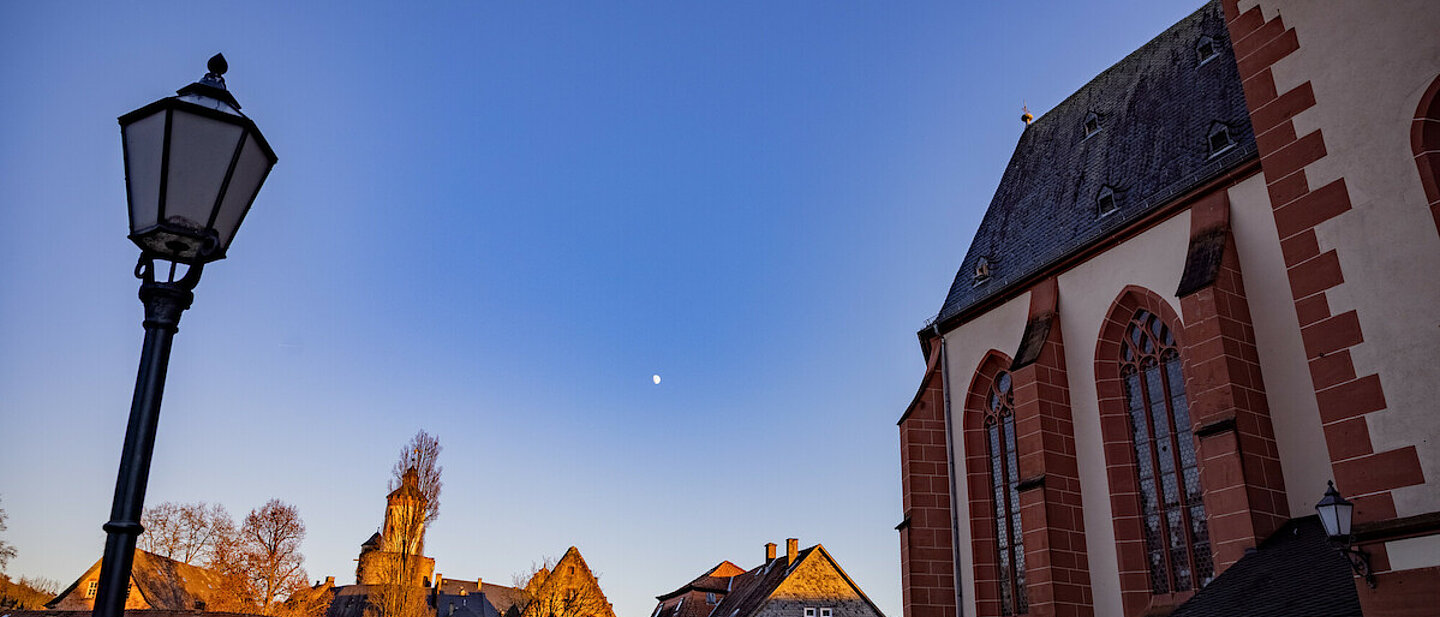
point(1177, 542)
point(1004, 477)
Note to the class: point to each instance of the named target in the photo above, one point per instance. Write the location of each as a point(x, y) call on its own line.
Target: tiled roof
point(1293, 572)
point(716, 579)
point(164, 583)
point(1155, 110)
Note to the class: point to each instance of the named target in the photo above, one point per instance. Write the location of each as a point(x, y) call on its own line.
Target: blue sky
point(495, 222)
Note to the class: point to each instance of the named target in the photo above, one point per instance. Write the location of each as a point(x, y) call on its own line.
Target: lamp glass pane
point(1327, 519)
point(144, 144)
point(200, 153)
point(249, 173)
point(1342, 518)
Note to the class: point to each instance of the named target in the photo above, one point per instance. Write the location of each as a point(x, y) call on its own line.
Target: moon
point(656, 379)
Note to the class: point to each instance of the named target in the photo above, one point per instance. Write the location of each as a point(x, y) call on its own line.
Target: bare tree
point(7, 551)
point(236, 592)
point(302, 600)
point(185, 532)
point(270, 545)
point(422, 454)
point(416, 475)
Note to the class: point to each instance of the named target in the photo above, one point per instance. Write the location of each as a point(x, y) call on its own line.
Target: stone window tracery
point(1177, 543)
point(1004, 479)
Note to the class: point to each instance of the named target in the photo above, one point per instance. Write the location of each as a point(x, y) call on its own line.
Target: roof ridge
point(1133, 53)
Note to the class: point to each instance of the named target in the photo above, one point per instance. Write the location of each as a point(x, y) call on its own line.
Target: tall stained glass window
point(1177, 543)
point(1004, 477)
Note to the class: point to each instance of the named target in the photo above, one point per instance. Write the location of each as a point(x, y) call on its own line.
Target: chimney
point(479, 583)
point(438, 579)
point(792, 546)
point(769, 552)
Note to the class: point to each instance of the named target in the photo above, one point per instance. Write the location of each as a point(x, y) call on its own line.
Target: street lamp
point(1335, 515)
point(193, 165)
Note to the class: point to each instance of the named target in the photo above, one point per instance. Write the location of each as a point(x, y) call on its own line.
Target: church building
point(1204, 290)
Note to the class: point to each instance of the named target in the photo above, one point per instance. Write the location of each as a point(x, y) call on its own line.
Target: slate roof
point(1293, 572)
point(1155, 108)
point(464, 605)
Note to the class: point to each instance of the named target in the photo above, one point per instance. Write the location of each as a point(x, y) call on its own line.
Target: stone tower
point(381, 556)
point(405, 506)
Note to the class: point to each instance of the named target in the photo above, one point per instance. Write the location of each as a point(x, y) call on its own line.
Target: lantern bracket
point(1359, 561)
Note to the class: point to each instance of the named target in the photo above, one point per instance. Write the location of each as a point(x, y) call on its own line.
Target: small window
point(1105, 203)
point(90, 588)
point(1205, 48)
point(710, 597)
point(1092, 124)
point(824, 612)
point(982, 270)
point(1220, 139)
point(809, 612)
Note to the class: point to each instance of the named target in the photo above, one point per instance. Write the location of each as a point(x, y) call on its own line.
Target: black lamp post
point(193, 165)
point(1335, 514)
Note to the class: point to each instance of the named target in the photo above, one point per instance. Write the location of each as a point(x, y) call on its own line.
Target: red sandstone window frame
point(1004, 489)
point(1425, 142)
point(980, 414)
point(1177, 541)
point(1137, 595)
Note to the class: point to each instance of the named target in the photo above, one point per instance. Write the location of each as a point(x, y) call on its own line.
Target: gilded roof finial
point(1025, 115)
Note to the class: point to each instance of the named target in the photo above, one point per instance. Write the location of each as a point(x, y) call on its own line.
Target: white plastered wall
point(965, 347)
point(1368, 64)
point(1304, 459)
point(1153, 260)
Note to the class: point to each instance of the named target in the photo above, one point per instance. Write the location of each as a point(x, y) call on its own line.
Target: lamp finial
point(217, 67)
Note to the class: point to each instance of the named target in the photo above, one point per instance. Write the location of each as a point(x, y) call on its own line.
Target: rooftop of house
point(166, 584)
point(1135, 138)
point(741, 593)
point(1293, 572)
point(717, 578)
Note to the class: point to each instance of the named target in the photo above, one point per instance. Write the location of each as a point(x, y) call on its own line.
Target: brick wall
point(1244, 491)
point(1364, 475)
point(1057, 565)
point(926, 538)
point(927, 558)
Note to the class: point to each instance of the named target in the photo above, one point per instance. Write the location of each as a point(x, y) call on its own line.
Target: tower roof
point(409, 487)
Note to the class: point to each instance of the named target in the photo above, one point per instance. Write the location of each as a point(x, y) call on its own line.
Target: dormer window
point(1105, 203)
point(982, 270)
point(1205, 48)
point(1219, 138)
point(1092, 124)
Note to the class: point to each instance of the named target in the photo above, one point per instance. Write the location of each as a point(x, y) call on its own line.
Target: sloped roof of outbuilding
point(1155, 109)
point(1293, 572)
point(164, 583)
